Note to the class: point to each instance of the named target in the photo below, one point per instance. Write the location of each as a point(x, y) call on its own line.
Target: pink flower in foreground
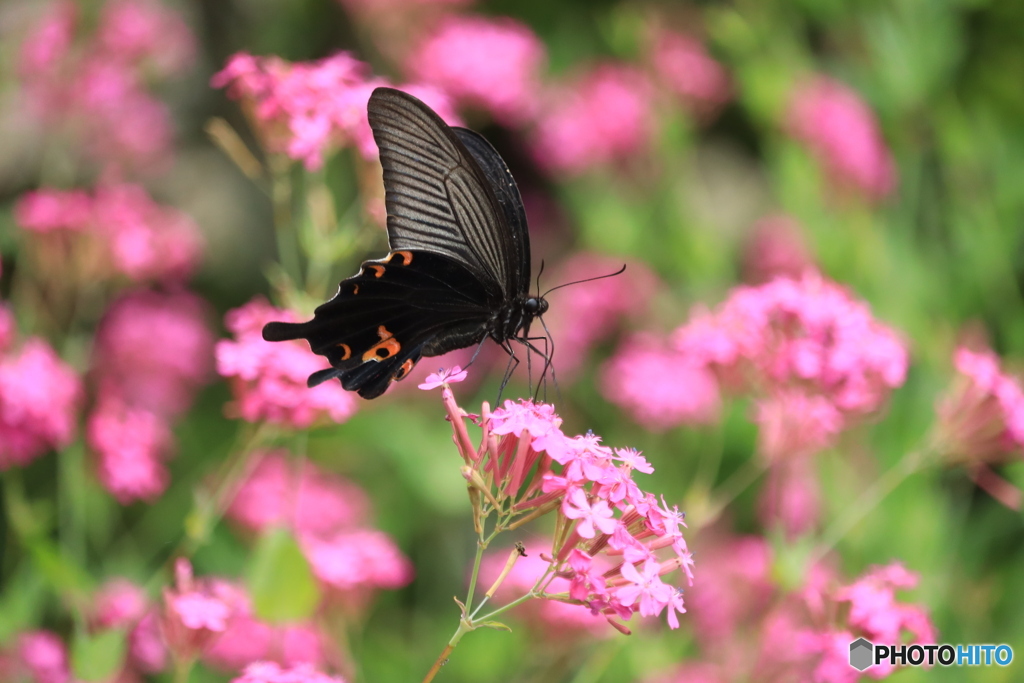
point(585, 314)
point(269, 672)
point(162, 377)
point(444, 376)
point(296, 495)
point(269, 379)
point(466, 56)
point(685, 66)
point(659, 386)
point(842, 131)
point(525, 464)
point(604, 118)
point(130, 446)
point(39, 400)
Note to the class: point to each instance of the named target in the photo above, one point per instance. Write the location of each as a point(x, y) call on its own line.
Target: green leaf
point(280, 579)
point(97, 657)
point(496, 625)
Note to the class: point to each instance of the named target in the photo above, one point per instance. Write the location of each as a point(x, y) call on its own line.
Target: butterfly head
point(536, 305)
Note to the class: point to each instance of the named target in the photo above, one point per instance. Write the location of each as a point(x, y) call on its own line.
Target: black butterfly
point(459, 266)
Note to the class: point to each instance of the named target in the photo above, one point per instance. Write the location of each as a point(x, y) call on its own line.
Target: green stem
point(287, 247)
point(481, 545)
point(733, 487)
point(868, 500)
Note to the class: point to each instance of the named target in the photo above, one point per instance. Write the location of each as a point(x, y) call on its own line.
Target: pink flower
point(526, 465)
point(146, 648)
point(248, 640)
point(269, 672)
point(309, 109)
point(144, 31)
point(791, 497)
point(39, 400)
point(794, 425)
point(466, 56)
point(585, 314)
point(397, 8)
point(647, 588)
point(603, 118)
point(44, 657)
point(49, 41)
point(163, 377)
point(130, 445)
point(808, 334)
point(269, 380)
point(685, 66)
point(296, 495)
point(119, 603)
point(442, 377)
point(358, 561)
point(659, 386)
point(195, 612)
point(596, 516)
point(982, 416)
point(133, 235)
point(842, 132)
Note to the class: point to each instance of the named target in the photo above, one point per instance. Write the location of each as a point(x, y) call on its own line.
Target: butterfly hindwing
point(383, 319)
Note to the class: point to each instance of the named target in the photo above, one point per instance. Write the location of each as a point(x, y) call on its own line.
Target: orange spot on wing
point(406, 256)
point(355, 289)
point(385, 348)
point(405, 369)
point(345, 349)
point(378, 270)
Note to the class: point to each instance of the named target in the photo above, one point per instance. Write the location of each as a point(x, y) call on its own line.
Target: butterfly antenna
point(620, 271)
point(539, 273)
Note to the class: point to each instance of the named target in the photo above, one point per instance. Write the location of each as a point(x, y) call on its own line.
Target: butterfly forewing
point(437, 197)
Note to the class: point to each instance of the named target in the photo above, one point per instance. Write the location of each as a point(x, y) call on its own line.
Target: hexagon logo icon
point(861, 652)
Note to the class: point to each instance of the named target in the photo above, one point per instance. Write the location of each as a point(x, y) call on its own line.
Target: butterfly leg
point(513, 363)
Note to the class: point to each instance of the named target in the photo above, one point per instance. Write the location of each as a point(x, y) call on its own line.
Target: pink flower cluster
point(154, 350)
point(269, 380)
point(308, 109)
point(842, 132)
point(602, 118)
point(816, 361)
point(608, 531)
point(213, 618)
point(96, 88)
point(130, 445)
point(683, 64)
point(801, 340)
point(584, 315)
point(740, 616)
point(492, 64)
point(118, 229)
point(40, 396)
point(659, 386)
point(982, 417)
point(327, 514)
